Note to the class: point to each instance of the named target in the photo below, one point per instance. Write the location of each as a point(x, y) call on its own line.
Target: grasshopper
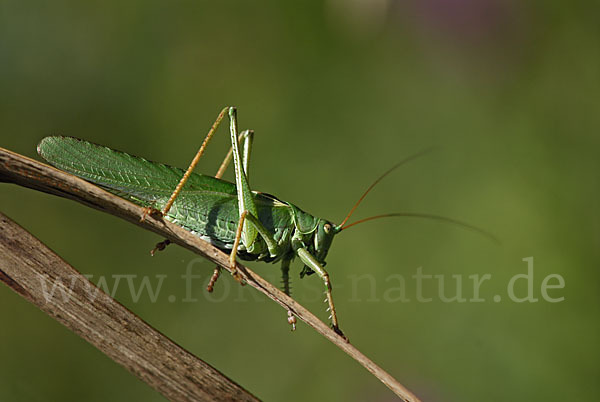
point(244, 223)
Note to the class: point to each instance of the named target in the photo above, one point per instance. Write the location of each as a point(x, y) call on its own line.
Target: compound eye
point(327, 228)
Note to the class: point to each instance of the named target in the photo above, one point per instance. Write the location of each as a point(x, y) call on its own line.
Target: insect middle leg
point(271, 244)
point(285, 278)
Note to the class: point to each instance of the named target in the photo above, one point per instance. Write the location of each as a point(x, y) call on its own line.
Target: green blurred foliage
point(337, 92)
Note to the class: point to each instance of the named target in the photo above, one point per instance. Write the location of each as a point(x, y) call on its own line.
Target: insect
point(232, 217)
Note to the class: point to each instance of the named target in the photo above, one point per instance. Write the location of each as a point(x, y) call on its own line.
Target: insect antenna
point(428, 216)
point(390, 170)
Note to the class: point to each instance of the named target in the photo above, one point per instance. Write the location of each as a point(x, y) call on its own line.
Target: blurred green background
point(337, 92)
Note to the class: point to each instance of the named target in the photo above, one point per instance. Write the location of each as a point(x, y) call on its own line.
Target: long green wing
point(207, 206)
point(129, 176)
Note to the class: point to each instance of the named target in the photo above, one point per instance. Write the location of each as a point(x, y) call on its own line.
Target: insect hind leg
point(154, 212)
point(245, 139)
point(196, 159)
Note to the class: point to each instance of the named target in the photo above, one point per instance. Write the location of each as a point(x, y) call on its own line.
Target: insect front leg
point(313, 264)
